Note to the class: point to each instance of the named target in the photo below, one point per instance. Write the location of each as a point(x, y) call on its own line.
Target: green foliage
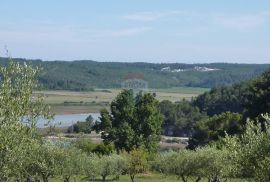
point(179, 118)
point(188, 165)
point(162, 162)
point(214, 164)
point(136, 162)
point(91, 166)
point(133, 122)
point(250, 98)
point(259, 98)
point(45, 161)
point(103, 149)
point(82, 126)
point(207, 162)
point(148, 122)
point(250, 151)
point(88, 147)
point(223, 99)
point(72, 162)
point(111, 165)
point(263, 170)
point(17, 139)
point(86, 75)
point(214, 128)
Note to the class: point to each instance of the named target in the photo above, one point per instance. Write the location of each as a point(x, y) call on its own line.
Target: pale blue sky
point(137, 30)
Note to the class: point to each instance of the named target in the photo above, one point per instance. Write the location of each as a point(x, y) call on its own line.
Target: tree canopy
point(133, 122)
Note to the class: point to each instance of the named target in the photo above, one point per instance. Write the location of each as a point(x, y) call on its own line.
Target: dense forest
point(87, 75)
point(219, 112)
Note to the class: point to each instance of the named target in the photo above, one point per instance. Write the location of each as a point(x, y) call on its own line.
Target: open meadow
point(70, 102)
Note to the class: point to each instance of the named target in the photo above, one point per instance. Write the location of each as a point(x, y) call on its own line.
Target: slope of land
point(88, 75)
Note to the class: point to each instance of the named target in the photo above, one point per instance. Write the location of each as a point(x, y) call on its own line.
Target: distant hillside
point(86, 75)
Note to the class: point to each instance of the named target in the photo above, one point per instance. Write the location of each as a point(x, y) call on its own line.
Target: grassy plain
point(70, 102)
point(150, 177)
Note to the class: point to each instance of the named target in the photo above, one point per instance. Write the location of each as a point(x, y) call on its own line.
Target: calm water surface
point(67, 119)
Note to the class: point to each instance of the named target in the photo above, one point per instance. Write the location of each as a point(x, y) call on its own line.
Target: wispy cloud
point(150, 16)
point(242, 21)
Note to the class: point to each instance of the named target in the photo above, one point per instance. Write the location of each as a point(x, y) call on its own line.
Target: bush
point(88, 147)
point(82, 126)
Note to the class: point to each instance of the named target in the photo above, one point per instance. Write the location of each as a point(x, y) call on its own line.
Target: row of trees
point(179, 118)
point(54, 161)
point(245, 156)
point(224, 109)
point(250, 98)
point(230, 107)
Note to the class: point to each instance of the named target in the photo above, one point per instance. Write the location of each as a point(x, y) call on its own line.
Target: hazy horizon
point(151, 62)
point(155, 31)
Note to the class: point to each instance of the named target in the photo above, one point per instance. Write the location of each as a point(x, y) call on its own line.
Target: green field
point(150, 177)
point(70, 102)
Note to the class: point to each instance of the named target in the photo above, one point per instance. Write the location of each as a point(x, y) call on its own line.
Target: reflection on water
point(67, 119)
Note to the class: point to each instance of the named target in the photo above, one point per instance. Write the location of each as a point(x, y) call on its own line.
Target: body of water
point(67, 119)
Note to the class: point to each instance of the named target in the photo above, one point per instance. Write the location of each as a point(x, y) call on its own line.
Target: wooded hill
point(87, 75)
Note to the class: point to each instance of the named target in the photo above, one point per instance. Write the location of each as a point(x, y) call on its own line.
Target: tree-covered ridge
point(86, 75)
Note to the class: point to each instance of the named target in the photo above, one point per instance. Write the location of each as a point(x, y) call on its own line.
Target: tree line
point(221, 110)
point(86, 75)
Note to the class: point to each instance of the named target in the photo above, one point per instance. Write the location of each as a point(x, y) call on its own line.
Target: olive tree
point(111, 165)
point(91, 166)
point(44, 164)
point(251, 151)
point(214, 164)
point(136, 162)
point(18, 105)
point(72, 162)
point(163, 163)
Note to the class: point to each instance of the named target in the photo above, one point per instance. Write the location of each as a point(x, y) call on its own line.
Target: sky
point(186, 31)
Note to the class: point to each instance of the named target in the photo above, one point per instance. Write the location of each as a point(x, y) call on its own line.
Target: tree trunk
point(183, 178)
point(132, 177)
point(28, 179)
point(92, 179)
point(67, 178)
point(104, 178)
point(45, 178)
point(216, 179)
